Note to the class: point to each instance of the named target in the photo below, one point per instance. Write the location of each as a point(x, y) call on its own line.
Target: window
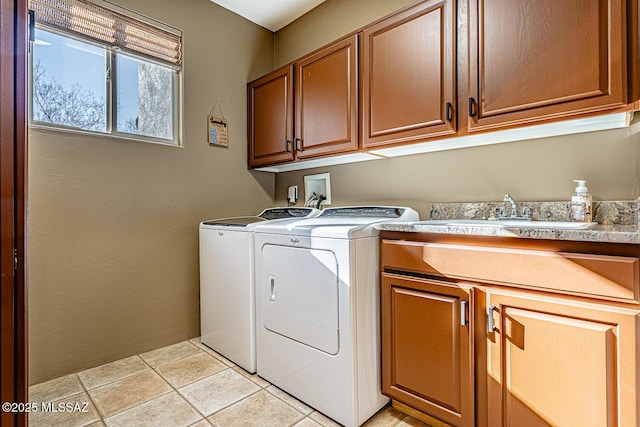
point(98, 70)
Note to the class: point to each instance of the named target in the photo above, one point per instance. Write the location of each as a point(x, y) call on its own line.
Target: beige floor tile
point(85, 414)
point(121, 395)
point(307, 422)
point(96, 424)
point(55, 389)
point(386, 417)
point(169, 353)
point(202, 423)
point(217, 391)
point(190, 369)
point(167, 410)
point(253, 377)
point(411, 422)
point(261, 409)
point(287, 398)
point(114, 371)
point(198, 343)
point(323, 420)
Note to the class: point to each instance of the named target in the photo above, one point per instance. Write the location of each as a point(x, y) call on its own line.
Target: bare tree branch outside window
point(74, 106)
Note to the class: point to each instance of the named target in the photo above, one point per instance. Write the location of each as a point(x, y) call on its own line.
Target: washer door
point(299, 295)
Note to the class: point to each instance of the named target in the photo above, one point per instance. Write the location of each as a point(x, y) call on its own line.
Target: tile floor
point(186, 384)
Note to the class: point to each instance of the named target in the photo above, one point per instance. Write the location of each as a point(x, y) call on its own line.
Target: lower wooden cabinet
point(486, 352)
point(555, 363)
point(427, 361)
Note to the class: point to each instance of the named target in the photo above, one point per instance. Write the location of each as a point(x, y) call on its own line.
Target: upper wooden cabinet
point(532, 60)
point(445, 68)
point(324, 86)
point(326, 101)
point(270, 118)
point(408, 75)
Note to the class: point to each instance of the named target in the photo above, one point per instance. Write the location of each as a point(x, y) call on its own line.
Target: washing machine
point(227, 290)
point(318, 309)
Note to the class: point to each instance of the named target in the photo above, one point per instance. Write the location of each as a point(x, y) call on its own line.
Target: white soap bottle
point(581, 203)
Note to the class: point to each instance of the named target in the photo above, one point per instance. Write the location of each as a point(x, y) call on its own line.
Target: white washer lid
point(239, 223)
point(341, 223)
point(246, 223)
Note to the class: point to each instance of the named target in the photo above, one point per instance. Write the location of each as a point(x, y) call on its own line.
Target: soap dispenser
point(581, 203)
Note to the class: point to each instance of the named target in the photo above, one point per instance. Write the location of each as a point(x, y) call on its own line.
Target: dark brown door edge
point(13, 313)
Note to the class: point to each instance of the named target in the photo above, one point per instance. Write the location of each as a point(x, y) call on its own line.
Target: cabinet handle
point(287, 143)
point(472, 110)
point(491, 326)
point(463, 313)
point(297, 144)
point(449, 111)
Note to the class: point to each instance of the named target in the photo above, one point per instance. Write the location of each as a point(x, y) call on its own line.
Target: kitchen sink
point(508, 223)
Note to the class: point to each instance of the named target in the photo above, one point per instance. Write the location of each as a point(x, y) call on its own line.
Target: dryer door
point(299, 295)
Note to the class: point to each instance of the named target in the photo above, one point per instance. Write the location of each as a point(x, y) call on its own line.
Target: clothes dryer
point(318, 309)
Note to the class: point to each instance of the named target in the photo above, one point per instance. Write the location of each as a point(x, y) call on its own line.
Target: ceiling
point(271, 14)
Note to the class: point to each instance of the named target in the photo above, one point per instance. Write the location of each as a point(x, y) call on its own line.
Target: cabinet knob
point(449, 112)
point(297, 144)
point(287, 144)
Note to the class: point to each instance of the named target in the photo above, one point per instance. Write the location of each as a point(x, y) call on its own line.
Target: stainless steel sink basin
point(506, 223)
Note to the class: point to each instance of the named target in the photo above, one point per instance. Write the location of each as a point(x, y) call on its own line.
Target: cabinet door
point(408, 75)
point(270, 118)
point(542, 59)
point(558, 363)
point(426, 347)
point(327, 101)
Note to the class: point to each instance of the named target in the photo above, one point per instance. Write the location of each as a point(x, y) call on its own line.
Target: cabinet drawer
point(604, 276)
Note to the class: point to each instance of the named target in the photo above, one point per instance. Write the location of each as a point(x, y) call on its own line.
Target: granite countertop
point(602, 233)
point(618, 221)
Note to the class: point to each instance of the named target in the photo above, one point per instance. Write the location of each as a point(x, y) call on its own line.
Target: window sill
point(46, 129)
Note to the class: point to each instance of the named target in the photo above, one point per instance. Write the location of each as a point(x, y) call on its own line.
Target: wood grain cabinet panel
point(426, 347)
point(271, 118)
point(551, 363)
point(408, 75)
point(595, 275)
point(307, 109)
point(540, 59)
point(326, 101)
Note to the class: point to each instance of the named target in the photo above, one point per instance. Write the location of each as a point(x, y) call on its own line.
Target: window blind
point(100, 24)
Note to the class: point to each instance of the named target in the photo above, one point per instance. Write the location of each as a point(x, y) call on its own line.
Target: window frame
point(110, 93)
point(112, 111)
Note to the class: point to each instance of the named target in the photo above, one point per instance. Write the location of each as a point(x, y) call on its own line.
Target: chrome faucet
point(514, 210)
point(526, 211)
